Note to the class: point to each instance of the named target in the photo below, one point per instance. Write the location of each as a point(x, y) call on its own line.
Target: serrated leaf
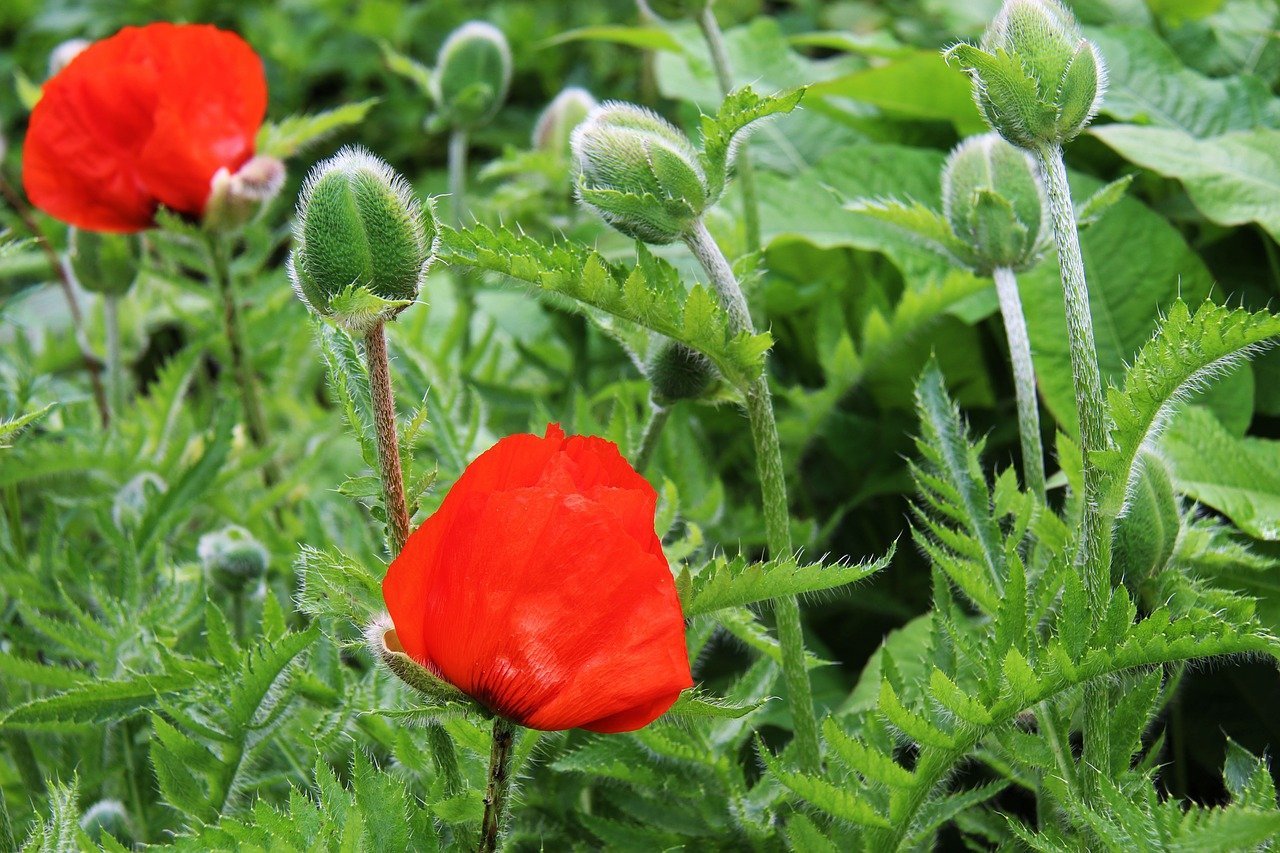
point(722, 133)
point(289, 136)
point(735, 582)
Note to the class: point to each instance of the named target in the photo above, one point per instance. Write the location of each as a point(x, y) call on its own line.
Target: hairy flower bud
point(130, 504)
point(105, 263)
point(60, 57)
point(993, 200)
point(232, 557)
point(1145, 536)
point(639, 172)
point(363, 241)
point(106, 817)
point(236, 198)
point(677, 372)
point(1036, 78)
point(675, 10)
point(556, 124)
point(473, 74)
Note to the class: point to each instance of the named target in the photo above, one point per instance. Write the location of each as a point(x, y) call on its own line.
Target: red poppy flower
point(540, 589)
point(143, 118)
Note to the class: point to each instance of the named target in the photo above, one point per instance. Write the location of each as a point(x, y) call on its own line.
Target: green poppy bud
point(232, 557)
point(131, 503)
point(1144, 537)
point(105, 263)
point(677, 372)
point(675, 10)
point(107, 817)
point(362, 241)
point(473, 74)
point(639, 172)
point(993, 200)
point(1036, 78)
point(234, 199)
point(556, 124)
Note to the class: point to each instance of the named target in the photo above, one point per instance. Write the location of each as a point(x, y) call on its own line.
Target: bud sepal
point(472, 76)
point(380, 637)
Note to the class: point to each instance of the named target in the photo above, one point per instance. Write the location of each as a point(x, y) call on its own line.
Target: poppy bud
point(363, 243)
point(235, 198)
point(540, 589)
point(1144, 537)
point(639, 172)
point(473, 74)
point(994, 202)
point(106, 817)
point(1036, 78)
point(60, 57)
point(565, 112)
point(130, 504)
point(675, 10)
point(677, 372)
point(105, 263)
point(232, 557)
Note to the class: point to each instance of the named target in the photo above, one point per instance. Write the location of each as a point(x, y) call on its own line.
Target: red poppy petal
point(78, 160)
point(212, 101)
point(634, 718)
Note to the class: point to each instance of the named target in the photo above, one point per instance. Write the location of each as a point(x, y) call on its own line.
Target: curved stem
point(234, 326)
point(773, 491)
point(746, 176)
point(498, 790)
point(115, 366)
point(658, 416)
point(1024, 381)
point(1094, 555)
point(384, 424)
point(458, 208)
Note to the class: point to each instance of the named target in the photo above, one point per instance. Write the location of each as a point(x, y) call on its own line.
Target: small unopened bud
point(109, 817)
point(236, 198)
point(363, 241)
point(131, 503)
point(473, 74)
point(676, 372)
point(639, 172)
point(60, 57)
point(232, 557)
point(993, 200)
point(105, 263)
point(380, 637)
point(566, 111)
point(1036, 78)
point(1145, 536)
point(675, 10)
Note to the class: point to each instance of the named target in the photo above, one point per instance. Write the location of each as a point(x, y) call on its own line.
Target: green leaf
point(292, 135)
point(408, 68)
point(1102, 201)
point(694, 704)
point(722, 133)
point(725, 582)
point(1233, 179)
point(646, 38)
point(10, 427)
point(333, 584)
point(97, 701)
point(836, 801)
point(916, 84)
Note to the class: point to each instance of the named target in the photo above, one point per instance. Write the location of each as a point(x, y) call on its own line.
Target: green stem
point(773, 491)
point(658, 416)
point(115, 363)
point(384, 424)
point(746, 176)
point(240, 364)
point(1094, 555)
point(1024, 381)
point(458, 207)
point(498, 790)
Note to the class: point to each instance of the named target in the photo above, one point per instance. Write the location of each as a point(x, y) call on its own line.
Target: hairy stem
point(773, 491)
point(1024, 381)
point(458, 206)
point(115, 365)
point(746, 176)
point(92, 365)
point(498, 790)
point(384, 424)
point(240, 364)
point(1094, 555)
point(658, 416)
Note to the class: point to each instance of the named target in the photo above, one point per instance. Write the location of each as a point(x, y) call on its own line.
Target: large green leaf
point(1233, 179)
point(918, 85)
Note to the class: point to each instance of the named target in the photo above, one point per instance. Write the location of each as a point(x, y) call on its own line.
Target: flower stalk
point(658, 416)
point(497, 792)
point(457, 167)
point(384, 424)
point(773, 491)
point(115, 365)
point(1024, 380)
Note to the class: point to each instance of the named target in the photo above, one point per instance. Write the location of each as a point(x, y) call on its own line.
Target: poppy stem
point(240, 366)
point(714, 38)
point(92, 364)
point(773, 491)
point(658, 416)
point(384, 425)
point(1024, 381)
point(498, 791)
point(115, 366)
point(458, 206)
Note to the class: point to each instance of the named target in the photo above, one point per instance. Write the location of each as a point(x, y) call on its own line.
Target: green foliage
point(733, 583)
